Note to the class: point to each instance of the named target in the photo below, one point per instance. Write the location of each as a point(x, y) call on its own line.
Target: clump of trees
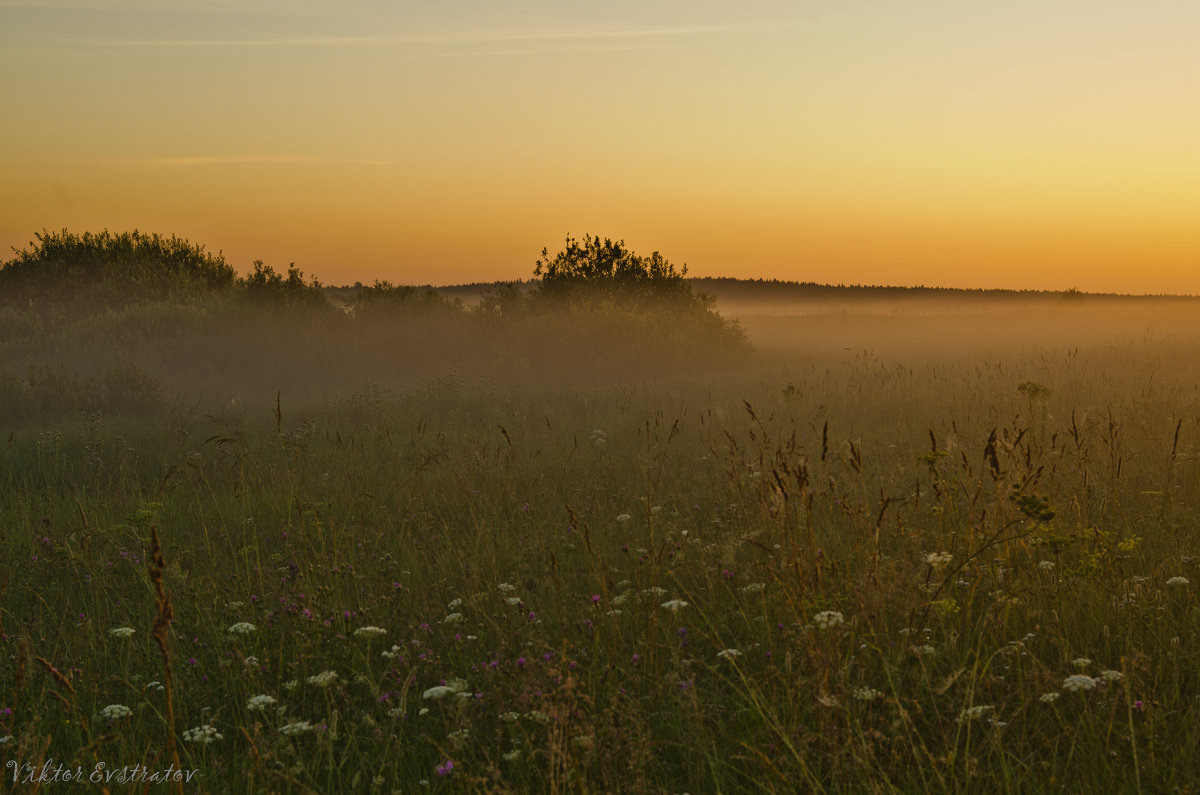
point(598, 299)
point(117, 316)
point(99, 271)
point(384, 301)
point(265, 285)
point(604, 268)
point(106, 269)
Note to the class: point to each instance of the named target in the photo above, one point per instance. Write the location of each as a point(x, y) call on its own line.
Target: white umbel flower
point(296, 727)
point(323, 679)
point(1077, 682)
point(202, 734)
point(369, 632)
point(828, 619)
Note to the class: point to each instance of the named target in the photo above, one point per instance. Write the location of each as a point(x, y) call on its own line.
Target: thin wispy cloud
point(533, 41)
point(228, 160)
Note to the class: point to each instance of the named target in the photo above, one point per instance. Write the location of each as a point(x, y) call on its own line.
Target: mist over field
point(608, 530)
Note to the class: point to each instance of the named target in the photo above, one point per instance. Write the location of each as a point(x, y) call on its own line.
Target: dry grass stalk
point(162, 625)
point(58, 677)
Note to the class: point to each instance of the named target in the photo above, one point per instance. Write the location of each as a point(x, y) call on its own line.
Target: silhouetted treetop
point(129, 261)
point(266, 285)
point(384, 300)
point(597, 264)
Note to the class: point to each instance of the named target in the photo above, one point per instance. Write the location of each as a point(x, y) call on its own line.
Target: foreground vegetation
point(833, 570)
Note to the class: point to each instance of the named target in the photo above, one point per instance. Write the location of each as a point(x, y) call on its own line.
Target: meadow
point(896, 547)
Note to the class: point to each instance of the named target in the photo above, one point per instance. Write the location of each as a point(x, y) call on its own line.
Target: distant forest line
point(728, 289)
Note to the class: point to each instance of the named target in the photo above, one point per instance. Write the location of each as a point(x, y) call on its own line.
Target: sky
point(1017, 144)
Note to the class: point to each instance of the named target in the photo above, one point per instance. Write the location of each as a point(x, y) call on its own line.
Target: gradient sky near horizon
point(1008, 144)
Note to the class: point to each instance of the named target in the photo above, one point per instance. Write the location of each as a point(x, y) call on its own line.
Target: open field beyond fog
point(900, 546)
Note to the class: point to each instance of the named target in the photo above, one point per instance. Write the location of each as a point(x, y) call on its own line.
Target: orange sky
point(985, 144)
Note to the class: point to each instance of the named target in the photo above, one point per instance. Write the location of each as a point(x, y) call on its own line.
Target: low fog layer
point(133, 323)
point(947, 325)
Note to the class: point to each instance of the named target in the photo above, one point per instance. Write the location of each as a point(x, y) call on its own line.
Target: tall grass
point(875, 573)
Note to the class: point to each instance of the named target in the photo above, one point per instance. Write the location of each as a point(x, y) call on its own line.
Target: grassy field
point(907, 550)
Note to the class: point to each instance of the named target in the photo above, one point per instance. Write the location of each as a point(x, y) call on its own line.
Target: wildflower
point(454, 603)
point(1077, 682)
point(250, 662)
point(623, 517)
point(1049, 698)
point(754, 587)
point(291, 684)
point(924, 651)
point(729, 654)
point(438, 692)
point(1181, 582)
point(974, 713)
point(233, 605)
point(654, 591)
point(674, 605)
point(445, 769)
point(620, 599)
point(369, 632)
point(513, 756)
point(259, 703)
point(1046, 565)
point(828, 619)
point(1111, 676)
point(202, 734)
point(1081, 662)
point(296, 727)
point(510, 717)
point(938, 560)
point(513, 600)
point(865, 693)
point(6, 739)
point(584, 742)
point(121, 632)
point(453, 618)
point(323, 679)
point(505, 587)
point(395, 652)
point(242, 628)
point(115, 711)
point(458, 736)
point(599, 441)
point(537, 716)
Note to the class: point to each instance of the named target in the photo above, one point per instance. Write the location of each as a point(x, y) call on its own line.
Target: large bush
point(598, 267)
point(106, 269)
point(599, 306)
